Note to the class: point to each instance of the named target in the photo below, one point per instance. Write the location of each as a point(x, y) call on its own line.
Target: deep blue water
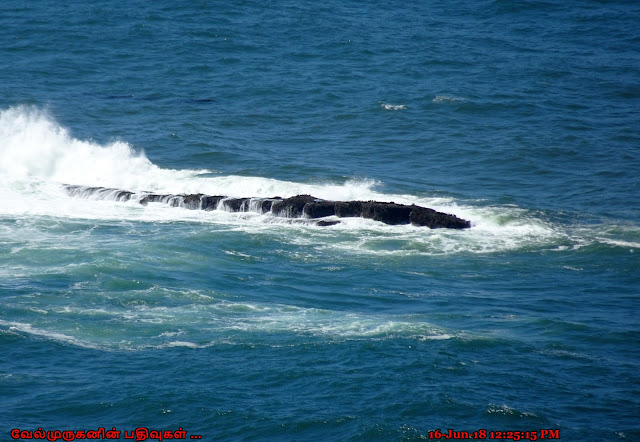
point(520, 116)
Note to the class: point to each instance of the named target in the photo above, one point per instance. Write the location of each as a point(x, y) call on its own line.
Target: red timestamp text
point(140, 434)
point(484, 434)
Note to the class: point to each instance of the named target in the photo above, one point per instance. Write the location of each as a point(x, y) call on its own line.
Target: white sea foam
point(182, 344)
point(46, 334)
point(202, 325)
point(509, 411)
point(388, 106)
point(34, 146)
point(447, 99)
point(619, 243)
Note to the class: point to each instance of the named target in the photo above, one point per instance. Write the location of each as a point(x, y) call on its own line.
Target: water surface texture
point(520, 116)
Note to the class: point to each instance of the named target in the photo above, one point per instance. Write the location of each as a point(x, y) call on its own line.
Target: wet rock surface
point(299, 206)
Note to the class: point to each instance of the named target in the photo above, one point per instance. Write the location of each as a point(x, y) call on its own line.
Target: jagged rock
point(346, 209)
point(389, 213)
point(235, 204)
point(152, 198)
point(124, 196)
point(323, 223)
point(210, 202)
point(320, 209)
point(423, 216)
point(193, 201)
point(101, 192)
point(293, 207)
point(267, 204)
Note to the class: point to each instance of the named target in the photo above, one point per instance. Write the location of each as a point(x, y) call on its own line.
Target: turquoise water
point(521, 117)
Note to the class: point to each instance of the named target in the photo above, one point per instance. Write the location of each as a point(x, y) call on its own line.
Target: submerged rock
point(299, 206)
point(324, 223)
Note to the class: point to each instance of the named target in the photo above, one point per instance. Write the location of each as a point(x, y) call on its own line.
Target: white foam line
point(182, 344)
point(388, 106)
point(224, 317)
point(615, 242)
point(450, 99)
point(55, 336)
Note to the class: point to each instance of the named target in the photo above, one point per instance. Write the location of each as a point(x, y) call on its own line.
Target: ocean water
point(520, 116)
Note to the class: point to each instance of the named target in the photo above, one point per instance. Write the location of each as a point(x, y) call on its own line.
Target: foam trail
point(447, 99)
point(202, 325)
point(388, 106)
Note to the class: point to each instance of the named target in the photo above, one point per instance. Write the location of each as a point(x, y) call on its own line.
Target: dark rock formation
point(235, 204)
point(324, 223)
point(292, 207)
point(348, 208)
point(320, 209)
point(299, 206)
point(208, 202)
point(390, 213)
point(100, 193)
point(423, 216)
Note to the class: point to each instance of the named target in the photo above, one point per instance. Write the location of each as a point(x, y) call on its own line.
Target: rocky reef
point(299, 206)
